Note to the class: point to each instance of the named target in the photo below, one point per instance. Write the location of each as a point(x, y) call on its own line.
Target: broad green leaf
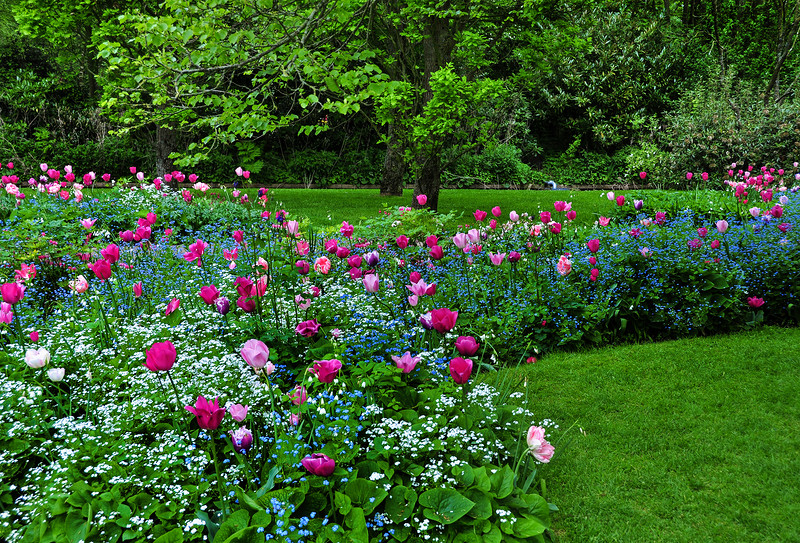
point(445, 505)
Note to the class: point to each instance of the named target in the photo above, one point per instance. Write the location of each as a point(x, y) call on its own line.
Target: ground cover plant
point(179, 366)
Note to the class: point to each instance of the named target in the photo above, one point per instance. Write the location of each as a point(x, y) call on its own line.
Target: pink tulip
point(161, 356)
point(593, 274)
point(326, 370)
point(603, 221)
point(722, 226)
point(755, 211)
point(209, 414)
point(715, 244)
point(331, 245)
point(610, 196)
point(571, 214)
point(346, 230)
point(371, 282)
point(246, 304)
point(479, 215)
point(497, 259)
point(144, 232)
point(620, 200)
point(513, 216)
point(702, 231)
point(443, 320)
point(422, 199)
point(238, 412)
point(538, 446)
point(593, 245)
point(127, 236)
point(322, 265)
point(34, 336)
point(298, 395)
point(555, 228)
point(172, 306)
point(6, 315)
point(496, 211)
point(473, 235)
point(460, 370)
point(319, 464)
point(406, 363)
point(88, 223)
point(689, 176)
point(642, 175)
point(137, 289)
point(79, 285)
point(402, 242)
point(545, 217)
point(754, 302)
point(342, 252)
point(564, 265)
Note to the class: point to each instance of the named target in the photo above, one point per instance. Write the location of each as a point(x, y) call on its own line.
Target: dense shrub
point(498, 165)
point(718, 122)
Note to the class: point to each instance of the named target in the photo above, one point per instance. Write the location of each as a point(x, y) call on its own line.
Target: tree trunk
point(428, 181)
point(394, 166)
point(165, 143)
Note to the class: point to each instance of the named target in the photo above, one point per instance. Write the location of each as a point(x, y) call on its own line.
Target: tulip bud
point(56, 374)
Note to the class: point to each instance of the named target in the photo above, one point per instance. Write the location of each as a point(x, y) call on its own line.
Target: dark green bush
point(498, 165)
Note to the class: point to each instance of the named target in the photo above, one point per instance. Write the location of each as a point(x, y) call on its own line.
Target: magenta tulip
point(593, 245)
point(161, 356)
point(437, 253)
point(402, 242)
point(755, 302)
point(127, 236)
point(299, 395)
point(326, 370)
point(137, 289)
point(467, 346)
point(460, 370)
point(479, 215)
point(319, 464)
point(303, 267)
point(12, 292)
point(172, 306)
point(209, 414)
point(307, 328)
point(209, 294)
point(101, 268)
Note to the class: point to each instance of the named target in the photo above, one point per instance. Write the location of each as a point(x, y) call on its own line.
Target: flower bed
point(251, 378)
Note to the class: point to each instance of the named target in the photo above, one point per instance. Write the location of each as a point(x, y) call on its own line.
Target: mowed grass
point(325, 207)
point(690, 440)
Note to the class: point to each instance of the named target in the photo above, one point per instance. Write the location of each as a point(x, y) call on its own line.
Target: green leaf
point(502, 482)
point(173, 536)
point(237, 521)
point(445, 505)
point(342, 503)
point(400, 504)
point(365, 493)
point(356, 526)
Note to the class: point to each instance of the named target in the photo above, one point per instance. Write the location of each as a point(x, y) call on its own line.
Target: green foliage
point(500, 165)
point(575, 167)
point(724, 121)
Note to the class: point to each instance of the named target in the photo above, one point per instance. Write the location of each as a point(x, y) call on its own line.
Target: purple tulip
point(372, 258)
point(223, 305)
point(242, 439)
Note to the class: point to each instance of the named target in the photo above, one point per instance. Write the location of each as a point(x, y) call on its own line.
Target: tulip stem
point(178, 401)
point(220, 489)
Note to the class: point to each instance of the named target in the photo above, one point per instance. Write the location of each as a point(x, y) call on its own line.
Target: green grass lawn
point(329, 206)
point(690, 440)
